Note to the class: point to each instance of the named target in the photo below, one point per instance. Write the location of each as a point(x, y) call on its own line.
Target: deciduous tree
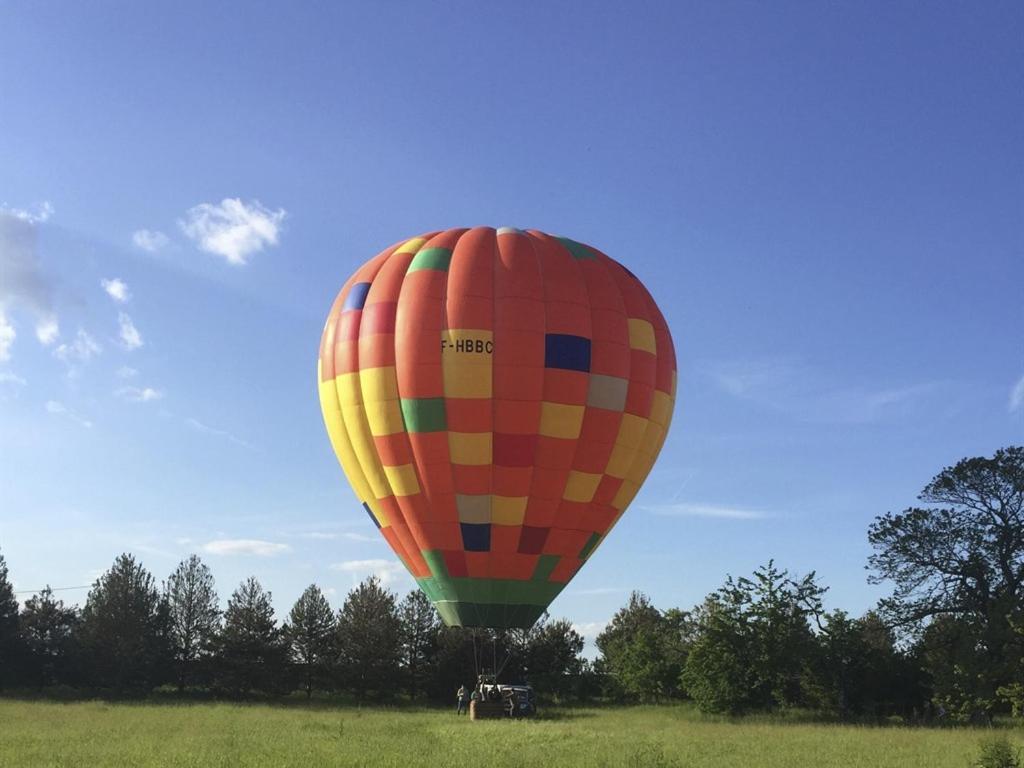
point(754, 642)
point(641, 649)
point(960, 555)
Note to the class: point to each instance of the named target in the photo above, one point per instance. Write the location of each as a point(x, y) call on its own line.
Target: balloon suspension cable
point(476, 657)
point(499, 670)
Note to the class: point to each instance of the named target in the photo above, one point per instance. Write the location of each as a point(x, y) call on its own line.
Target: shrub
point(998, 752)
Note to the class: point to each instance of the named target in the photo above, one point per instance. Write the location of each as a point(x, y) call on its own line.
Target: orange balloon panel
point(496, 399)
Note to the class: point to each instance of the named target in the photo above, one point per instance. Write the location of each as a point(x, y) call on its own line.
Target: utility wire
point(52, 589)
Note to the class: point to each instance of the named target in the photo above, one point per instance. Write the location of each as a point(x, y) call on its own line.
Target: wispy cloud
point(149, 240)
point(80, 350)
point(1017, 396)
point(23, 282)
point(233, 229)
point(59, 409)
point(707, 510)
point(347, 535)
point(126, 372)
point(140, 394)
point(6, 377)
point(7, 336)
point(117, 289)
point(130, 337)
point(149, 549)
point(809, 394)
point(255, 547)
point(198, 426)
point(599, 591)
point(41, 213)
point(388, 571)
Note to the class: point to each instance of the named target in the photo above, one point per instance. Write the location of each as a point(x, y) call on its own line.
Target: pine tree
point(124, 629)
point(368, 640)
point(252, 653)
point(311, 634)
point(418, 639)
point(195, 617)
point(10, 647)
point(47, 628)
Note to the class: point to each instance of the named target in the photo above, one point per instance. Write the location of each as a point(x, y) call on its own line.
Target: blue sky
point(825, 200)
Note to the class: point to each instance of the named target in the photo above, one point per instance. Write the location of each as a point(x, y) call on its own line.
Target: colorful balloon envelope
point(496, 398)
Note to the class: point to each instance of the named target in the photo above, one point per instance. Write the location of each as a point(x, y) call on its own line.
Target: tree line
point(131, 637)
point(947, 644)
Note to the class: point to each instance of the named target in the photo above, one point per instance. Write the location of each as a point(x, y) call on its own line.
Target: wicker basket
point(486, 710)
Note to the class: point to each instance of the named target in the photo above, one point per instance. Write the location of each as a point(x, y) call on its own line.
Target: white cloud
point(149, 240)
point(126, 372)
point(233, 229)
point(255, 547)
point(388, 571)
point(117, 289)
point(59, 409)
point(42, 213)
point(7, 337)
point(129, 334)
point(182, 541)
point(1017, 395)
point(139, 394)
point(707, 510)
point(590, 629)
point(81, 350)
point(22, 280)
point(198, 426)
point(47, 330)
point(6, 377)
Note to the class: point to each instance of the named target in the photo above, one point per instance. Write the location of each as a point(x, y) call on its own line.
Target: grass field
point(37, 734)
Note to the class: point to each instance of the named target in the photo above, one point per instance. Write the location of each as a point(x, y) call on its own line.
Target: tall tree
point(124, 629)
point(369, 641)
point(754, 642)
point(10, 647)
point(860, 671)
point(553, 658)
point(641, 649)
point(310, 634)
point(194, 615)
point(252, 654)
point(961, 554)
point(48, 627)
point(419, 624)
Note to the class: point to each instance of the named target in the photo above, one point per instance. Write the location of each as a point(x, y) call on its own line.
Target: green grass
point(37, 734)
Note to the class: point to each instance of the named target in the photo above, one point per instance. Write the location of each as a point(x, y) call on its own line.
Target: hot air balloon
point(496, 398)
